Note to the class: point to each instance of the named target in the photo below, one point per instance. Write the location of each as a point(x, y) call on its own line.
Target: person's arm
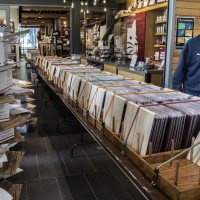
point(180, 72)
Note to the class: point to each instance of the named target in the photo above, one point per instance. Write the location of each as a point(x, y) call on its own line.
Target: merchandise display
point(104, 68)
point(136, 113)
point(13, 114)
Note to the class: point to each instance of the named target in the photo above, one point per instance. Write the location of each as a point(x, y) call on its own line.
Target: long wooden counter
point(138, 179)
point(149, 76)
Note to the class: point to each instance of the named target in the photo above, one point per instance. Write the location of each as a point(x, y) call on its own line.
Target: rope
point(82, 91)
point(153, 92)
point(110, 86)
point(111, 102)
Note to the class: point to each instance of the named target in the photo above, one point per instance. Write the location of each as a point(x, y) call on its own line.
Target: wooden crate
point(188, 178)
point(188, 182)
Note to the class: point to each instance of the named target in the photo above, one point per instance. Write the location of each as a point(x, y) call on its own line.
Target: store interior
point(98, 100)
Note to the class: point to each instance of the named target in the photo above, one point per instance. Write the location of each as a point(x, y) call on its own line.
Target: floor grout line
point(118, 181)
point(95, 169)
point(64, 164)
point(38, 166)
point(26, 190)
point(58, 188)
point(46, 144)
point(85, 177)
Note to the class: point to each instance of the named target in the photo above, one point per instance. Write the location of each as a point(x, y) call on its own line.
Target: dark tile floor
point(49, 171)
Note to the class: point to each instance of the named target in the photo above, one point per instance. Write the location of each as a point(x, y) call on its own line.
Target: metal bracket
point(123, 151)
point(103, 128)
point(87, 115)
point(155, 178)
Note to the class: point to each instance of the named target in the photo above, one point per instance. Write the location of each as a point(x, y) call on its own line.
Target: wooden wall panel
point(130, 2)
point(187, 8)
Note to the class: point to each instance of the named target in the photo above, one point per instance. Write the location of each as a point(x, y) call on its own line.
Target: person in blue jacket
point(187, 74)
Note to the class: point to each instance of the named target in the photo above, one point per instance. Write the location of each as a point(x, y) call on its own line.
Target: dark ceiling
point(37, 15)
point(110, 3)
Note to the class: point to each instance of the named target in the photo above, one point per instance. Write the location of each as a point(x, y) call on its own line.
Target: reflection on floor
point(49, 171)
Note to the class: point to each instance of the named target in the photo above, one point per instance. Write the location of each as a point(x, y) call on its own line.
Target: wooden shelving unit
point(161, 22)
point(159, 46)
point(160, 34)
point(146, 9)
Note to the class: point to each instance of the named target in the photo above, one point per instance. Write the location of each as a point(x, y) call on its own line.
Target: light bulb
point(94, 3)
point(87, 11)
point(104, 1)
point(105, 9)
point(82, 3)
point(86, 3)
point(82, 10)
point(64, 1)
point(72, 5)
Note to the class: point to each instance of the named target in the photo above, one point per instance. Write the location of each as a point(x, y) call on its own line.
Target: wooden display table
point(149, 76)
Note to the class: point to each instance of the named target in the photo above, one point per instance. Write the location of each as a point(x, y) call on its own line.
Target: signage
point(185, 31)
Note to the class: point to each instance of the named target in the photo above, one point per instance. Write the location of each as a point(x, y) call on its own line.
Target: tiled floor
point(49, 171)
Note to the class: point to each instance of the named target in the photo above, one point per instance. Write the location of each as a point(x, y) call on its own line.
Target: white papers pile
point(4, 112)
point(5, 79)
point(5, 195)
point(7, 135)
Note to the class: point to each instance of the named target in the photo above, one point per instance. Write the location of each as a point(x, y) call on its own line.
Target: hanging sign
point(185, 31)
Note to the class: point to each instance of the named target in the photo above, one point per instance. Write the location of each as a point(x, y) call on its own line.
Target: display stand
point(123, 162)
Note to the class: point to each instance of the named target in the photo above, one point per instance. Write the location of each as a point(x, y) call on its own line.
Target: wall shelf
point(159, 46)
point(160, 34)
point(146, 9)
point(161, 22)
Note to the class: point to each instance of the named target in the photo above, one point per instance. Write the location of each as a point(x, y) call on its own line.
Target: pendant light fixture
point(72, 4)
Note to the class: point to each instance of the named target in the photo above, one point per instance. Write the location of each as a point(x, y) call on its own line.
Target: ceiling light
point(82, 10)
point(105, 9)
point(72, 5)
point(104, 1)
point(86, 3)
point(82, 3)
point(94, 3)
point(64, 1)
point(87, 11)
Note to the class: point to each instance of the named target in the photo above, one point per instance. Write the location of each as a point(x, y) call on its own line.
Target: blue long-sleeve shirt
point(187, 74)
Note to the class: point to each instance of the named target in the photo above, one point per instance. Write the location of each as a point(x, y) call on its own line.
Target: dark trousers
point(191, 92)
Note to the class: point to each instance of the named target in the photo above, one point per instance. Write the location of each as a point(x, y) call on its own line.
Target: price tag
point(133, 60)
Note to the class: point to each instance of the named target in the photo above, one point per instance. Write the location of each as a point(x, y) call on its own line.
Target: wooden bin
point(187, 178)
point(179, 183)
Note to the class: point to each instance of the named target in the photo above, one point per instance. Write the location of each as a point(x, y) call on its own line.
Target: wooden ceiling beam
point(44, 8)
point(109, 4)
point(34, 23)
point(34, 26)
point(36, 20)
point(48, 16)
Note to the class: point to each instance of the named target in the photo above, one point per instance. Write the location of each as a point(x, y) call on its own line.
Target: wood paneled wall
point(187, 8)
point(129, 2)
